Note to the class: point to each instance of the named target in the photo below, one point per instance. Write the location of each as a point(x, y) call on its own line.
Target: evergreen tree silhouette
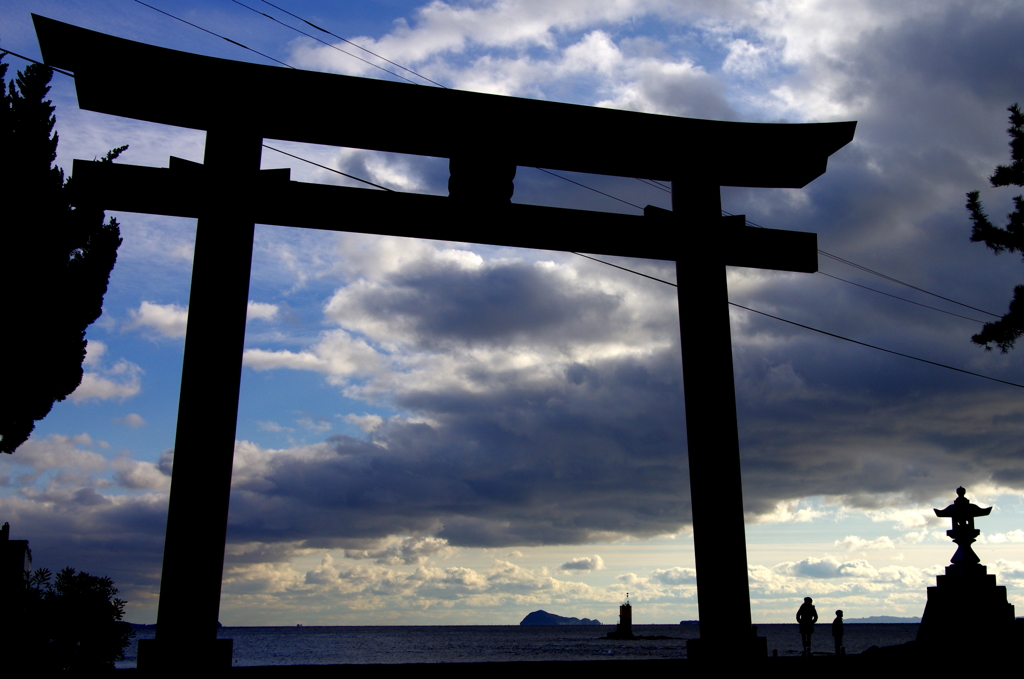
point(55, 260)
point(1007, 330)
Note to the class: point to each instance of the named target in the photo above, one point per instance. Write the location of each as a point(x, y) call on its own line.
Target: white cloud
point(407, 551)
point(314, 425)
point(789, 511)
point(339, 355)
point(829, 567)
point(168, 320)
point(675, 576)
point(60, 452)
point(260, 359)
point(366, 422)
point(748, 59)
point(132, 420)
point(272, 427)
point(584, 563)
point(120, 382)
point(852, 542)
point(94, 351)
point(1010, 536)
point(260, 310)
point(1009, 570)
point(139, 475)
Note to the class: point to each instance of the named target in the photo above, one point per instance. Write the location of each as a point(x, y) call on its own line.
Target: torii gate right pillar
point(712, 433)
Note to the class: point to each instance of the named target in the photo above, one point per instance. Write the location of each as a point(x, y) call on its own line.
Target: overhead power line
point(926, 306)
point(896, 280)
point(872, 346)
point(329, 169)
point(15, 54)
point(589, 188)
point(823, 332)
point(349, 42)
point(323, 42)
point(650, 182)
point(892, 280)
point(205, 30)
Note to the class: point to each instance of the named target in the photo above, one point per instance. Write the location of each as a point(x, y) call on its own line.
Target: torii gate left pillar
point(207, 412)
point(712, 431)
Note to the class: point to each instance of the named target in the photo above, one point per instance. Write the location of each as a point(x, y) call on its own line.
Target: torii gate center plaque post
point(485, 137)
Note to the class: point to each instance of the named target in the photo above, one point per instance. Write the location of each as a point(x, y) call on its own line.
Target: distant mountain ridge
point(880, 620)
point(545, 618)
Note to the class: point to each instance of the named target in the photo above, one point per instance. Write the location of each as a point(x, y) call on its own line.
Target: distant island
point(545, 618)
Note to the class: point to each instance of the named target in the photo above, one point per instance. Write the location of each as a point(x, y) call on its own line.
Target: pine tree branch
point(1007, 330)
point(984, 231)
point(1013, 174)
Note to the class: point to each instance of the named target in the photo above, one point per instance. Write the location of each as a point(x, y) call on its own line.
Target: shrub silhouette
point(74, 623)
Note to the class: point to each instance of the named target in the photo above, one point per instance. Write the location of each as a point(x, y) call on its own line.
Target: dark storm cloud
point(821, 417)
point(553, 465)
point(494, 305)
point(550, 452)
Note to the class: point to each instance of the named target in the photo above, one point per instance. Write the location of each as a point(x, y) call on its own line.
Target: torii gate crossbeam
point(488, 136)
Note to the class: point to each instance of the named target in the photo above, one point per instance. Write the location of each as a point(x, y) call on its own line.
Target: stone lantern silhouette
point(966, 606)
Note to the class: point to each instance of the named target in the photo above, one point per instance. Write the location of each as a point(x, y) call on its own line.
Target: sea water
point(500, 643)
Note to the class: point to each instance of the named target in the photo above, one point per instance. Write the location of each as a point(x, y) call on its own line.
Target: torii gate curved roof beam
point(126, 78)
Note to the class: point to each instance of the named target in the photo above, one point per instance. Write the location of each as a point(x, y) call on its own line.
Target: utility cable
point(823, 332)
point(589, 188)
point(601, 261)
point(324, 30)
point(53, 68)
point(891, 279)
point(329, 169)
point(896, 280)
point(653, 183)
point(323, 42)
point(872, 346)
point(233, 42)
point(926, 306)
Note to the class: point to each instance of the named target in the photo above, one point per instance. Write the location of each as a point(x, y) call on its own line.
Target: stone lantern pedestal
point(966, 608)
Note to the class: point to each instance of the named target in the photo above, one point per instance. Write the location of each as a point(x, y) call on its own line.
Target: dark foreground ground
point(873, 664)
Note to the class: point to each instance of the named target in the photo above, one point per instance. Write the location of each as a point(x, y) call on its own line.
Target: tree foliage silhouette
point(73, 623)
point(1007, 330)
point(56, 260)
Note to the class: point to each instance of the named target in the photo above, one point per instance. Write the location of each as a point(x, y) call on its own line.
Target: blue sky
point(450, 433)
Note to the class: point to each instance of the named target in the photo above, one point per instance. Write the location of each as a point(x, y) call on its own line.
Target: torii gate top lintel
point(126, 78)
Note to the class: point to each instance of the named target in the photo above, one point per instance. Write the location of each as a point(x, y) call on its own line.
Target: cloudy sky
point(436, 432)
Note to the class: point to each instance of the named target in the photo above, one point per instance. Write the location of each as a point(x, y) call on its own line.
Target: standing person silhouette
point(837, 631)
point(806, 617)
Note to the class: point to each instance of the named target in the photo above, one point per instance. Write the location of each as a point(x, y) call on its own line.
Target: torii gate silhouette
point(485, 137)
